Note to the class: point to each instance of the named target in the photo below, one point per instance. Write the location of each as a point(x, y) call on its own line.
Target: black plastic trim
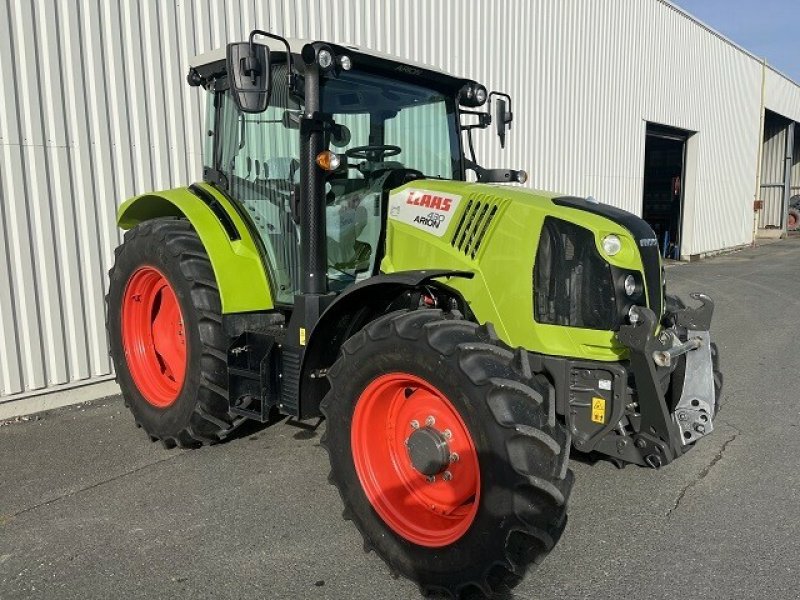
point(218, 210)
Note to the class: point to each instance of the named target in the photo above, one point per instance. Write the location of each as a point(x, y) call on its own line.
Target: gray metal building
point(631, 101)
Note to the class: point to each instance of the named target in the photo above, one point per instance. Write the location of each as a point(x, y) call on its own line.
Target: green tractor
point(458, 337)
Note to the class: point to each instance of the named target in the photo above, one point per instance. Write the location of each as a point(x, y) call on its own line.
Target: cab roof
point(214, 61)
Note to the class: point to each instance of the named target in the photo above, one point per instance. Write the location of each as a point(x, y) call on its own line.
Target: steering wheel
point(373, 152)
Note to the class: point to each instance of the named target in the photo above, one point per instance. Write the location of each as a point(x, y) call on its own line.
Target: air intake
point(474, 224)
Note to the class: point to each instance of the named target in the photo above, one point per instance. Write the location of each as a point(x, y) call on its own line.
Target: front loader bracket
point(659, 442)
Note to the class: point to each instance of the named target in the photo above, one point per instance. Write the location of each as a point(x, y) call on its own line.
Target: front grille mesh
point(572, 284)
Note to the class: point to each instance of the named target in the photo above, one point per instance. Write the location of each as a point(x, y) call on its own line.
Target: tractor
point(346, 258)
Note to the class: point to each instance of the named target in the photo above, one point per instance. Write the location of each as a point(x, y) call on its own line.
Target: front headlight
point(633, 315)
point(611, 245)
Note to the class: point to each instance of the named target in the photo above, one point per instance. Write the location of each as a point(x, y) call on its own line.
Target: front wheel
point(446, 451)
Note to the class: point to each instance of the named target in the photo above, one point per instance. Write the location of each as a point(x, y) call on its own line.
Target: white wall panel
point(94, 109)
point(783, 96)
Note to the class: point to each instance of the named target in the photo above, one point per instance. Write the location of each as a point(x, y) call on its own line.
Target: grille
point(572, 284)
point(474, 225)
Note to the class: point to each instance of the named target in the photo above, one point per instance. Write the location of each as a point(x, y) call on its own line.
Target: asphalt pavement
point(89, 508)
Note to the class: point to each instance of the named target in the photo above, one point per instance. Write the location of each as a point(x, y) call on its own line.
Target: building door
point(664, 168)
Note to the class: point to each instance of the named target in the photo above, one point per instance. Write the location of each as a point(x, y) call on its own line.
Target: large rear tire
point(165, 330)
point(446, 451)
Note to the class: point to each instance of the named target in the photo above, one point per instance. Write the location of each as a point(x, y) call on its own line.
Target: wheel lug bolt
point(414, 424)
point(430, 421)
point(447, 475)
point(454, 457)
point(431, 478)
point(447, 434)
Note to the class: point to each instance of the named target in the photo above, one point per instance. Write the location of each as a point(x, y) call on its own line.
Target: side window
point(258, 153)
point(426, 144)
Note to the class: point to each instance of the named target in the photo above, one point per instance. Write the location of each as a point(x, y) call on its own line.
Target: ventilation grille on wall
point(475, 224)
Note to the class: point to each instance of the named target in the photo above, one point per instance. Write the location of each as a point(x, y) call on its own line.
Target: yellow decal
point(598, 410)
point(302, 336)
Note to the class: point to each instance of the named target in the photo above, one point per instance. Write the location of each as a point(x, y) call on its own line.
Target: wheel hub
point(153, 336)
point(415, 459)
point(428, 451)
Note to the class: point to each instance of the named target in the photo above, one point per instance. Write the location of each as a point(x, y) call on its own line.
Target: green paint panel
point(494, 232)
point(240, 272)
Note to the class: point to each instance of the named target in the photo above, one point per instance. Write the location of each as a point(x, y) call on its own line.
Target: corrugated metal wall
point(94, 109)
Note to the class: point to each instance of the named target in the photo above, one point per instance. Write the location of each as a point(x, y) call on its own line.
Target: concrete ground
point(90, 509)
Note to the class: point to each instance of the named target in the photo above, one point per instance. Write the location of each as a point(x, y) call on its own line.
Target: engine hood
point(493, 231)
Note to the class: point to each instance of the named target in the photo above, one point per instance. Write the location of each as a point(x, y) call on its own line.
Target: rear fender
point(240, 272)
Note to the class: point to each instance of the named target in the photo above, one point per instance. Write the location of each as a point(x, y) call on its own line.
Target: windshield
point(402, 124)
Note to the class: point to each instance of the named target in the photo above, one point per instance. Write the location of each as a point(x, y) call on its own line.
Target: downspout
point(759, 166)
point(787, 177)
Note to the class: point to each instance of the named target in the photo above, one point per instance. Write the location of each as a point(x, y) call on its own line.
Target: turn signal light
point(329, 161)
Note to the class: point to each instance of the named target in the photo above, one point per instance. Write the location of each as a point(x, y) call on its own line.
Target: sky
point(768, 28)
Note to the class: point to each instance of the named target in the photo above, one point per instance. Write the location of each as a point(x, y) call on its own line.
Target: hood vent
point(475, 222)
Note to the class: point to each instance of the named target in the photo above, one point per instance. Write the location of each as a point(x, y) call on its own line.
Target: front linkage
point(675, 383)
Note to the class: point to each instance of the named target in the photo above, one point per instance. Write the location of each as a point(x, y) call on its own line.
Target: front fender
point(348, 313)
point(240, 272)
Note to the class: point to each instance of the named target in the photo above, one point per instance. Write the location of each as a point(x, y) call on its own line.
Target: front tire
point(165, 330)
point(408, 392)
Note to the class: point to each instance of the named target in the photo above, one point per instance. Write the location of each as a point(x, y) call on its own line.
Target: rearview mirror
point(502, 118)
point(250, 76)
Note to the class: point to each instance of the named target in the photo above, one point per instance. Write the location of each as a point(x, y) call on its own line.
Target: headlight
point(611, 245)
point(345, 62)
point(633, 315)
point(630, 285)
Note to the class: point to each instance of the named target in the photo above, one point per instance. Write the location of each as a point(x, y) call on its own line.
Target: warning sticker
point(424, 209)
point(598, 410)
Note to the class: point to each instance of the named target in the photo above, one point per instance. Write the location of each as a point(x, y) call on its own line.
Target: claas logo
point(429, 201)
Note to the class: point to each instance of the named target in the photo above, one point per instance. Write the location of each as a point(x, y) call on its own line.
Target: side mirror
point(250, 76)
point(502, 118)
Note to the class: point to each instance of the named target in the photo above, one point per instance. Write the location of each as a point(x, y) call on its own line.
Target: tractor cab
point(383, 123)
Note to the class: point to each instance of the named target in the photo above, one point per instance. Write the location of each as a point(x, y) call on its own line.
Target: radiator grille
point(572, 283)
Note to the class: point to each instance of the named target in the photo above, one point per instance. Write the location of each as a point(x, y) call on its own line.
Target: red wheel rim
point(389, 410)
point(153, 336)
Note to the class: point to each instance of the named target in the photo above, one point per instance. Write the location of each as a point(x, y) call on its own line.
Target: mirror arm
point(496, 175)
point(289, 61)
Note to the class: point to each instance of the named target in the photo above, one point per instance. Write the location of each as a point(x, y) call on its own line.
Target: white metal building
point(94, 108)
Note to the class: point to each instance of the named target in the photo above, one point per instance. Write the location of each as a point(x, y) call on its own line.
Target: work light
point(325, 58)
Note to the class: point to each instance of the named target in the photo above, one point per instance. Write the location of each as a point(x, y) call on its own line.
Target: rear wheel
point(446, 451)
point(165, 330)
